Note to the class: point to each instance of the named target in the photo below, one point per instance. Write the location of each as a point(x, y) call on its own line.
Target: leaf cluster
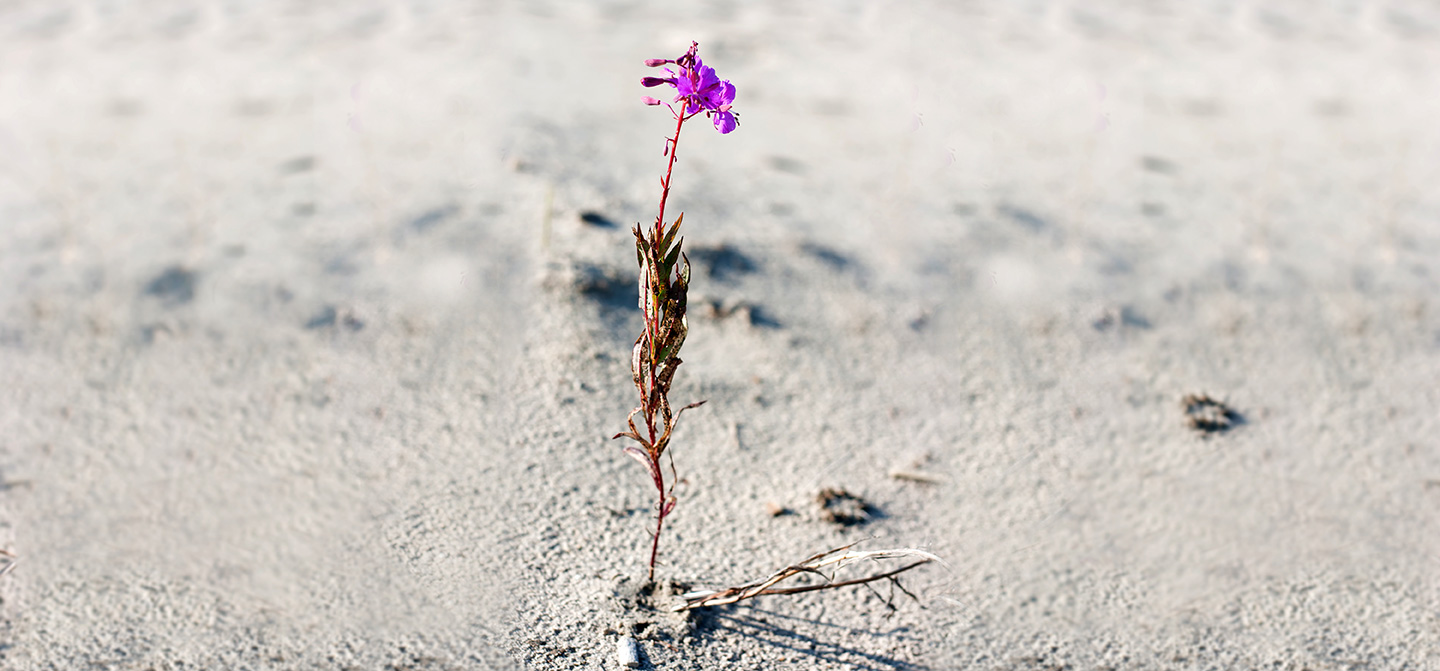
point(664, 282)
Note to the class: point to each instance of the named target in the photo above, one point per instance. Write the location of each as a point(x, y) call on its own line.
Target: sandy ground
point(311, 360)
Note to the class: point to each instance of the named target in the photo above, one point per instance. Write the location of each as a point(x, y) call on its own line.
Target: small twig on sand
point(10, 561)
point(835, 559)
point(916, 476)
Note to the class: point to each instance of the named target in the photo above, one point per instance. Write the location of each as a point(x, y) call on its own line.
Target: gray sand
point(312, 362)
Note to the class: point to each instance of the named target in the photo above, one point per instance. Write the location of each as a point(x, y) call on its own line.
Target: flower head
point(718, 108)
point(698, 89)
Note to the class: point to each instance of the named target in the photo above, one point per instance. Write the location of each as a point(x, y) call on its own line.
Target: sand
point(315, 322)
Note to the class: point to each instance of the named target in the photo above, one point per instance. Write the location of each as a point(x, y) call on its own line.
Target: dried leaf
point(655, 291)
point(634, 432)
point(636, 356)
point(644, 285)
point(676, 337)
point(692, 405)
point(644, 458)
point(667, 371)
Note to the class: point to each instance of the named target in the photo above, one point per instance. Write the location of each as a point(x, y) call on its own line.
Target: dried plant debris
point(914, 470)
point(838, 506)
point(1207, 415)
point(913, 475)
point(816, 565)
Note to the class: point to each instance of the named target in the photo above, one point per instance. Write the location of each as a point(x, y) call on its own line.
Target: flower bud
point(656, 62)
point(649, 101)
point(656, 81)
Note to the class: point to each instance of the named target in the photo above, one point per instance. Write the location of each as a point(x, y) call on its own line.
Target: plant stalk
point(653, 326)
point(655, 544)
point(654, 320)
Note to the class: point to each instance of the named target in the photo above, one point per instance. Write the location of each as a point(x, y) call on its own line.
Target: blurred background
point(314, 321)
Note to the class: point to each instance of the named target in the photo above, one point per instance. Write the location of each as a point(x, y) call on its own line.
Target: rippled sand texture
point(315, 321)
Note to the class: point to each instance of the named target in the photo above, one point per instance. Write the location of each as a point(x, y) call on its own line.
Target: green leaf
point(670, 261)
point(639, 246)
point(670, 236)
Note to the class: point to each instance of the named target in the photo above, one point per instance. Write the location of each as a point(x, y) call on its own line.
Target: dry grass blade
point(917, 476)
point(832, 559)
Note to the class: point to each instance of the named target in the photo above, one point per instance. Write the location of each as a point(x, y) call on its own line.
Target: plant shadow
point(762, 627)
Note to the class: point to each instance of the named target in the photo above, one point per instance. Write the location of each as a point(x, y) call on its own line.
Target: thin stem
point(655, 544)
point(649, 401)
point(665, 191)
point(659, 515)
point(653, 320)
point(843, 583)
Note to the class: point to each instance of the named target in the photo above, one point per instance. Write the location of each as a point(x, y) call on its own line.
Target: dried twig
point(916, 476)
point(834, 559)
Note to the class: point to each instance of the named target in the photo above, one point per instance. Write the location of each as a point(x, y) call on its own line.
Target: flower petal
point(707, 77)
point(725, 94)
point(718, 97)
point(724, 121)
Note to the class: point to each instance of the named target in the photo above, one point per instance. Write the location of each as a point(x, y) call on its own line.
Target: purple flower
point(698, 88)
point(718, 108)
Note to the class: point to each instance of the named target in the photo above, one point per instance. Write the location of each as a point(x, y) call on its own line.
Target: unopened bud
point(656, 62)
point(655, 81)
point(649, 101)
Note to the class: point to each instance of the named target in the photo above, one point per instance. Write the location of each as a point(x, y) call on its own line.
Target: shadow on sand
point(774, 630)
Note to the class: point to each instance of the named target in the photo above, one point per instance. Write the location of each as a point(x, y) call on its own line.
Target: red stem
point(659, 514)
point(674, 142)
point(655, 544)
point(653, 321)
point(653, 326)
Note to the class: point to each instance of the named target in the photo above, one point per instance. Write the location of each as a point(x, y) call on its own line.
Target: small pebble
point(628, 651)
